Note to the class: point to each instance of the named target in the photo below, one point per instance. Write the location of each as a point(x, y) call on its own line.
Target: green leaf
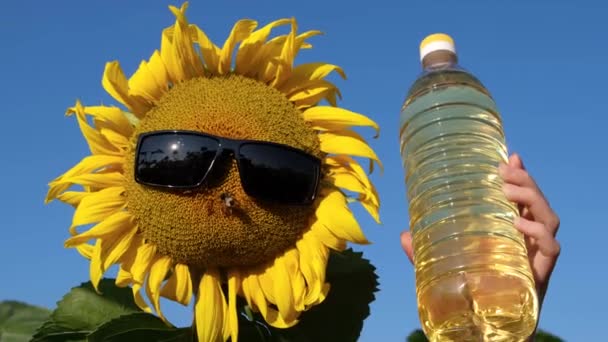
point(82, 310)
point(139, 327)
point(417, 336)
point(340, 317)
point(543, 336)
point(19, 321)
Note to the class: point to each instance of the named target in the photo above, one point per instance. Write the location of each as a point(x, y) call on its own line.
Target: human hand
point(538, 222)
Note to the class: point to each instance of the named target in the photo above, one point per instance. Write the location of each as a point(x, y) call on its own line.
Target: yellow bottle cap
point(435, 42)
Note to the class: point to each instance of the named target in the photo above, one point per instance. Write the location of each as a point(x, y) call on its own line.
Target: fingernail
point(517, 220)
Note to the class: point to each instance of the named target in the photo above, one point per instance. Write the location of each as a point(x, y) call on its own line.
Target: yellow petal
point(179, 286)
point(98, 144)
point(343, 163)
point(110, 117)
point(120, 222)
point(286, 58)
point(115, 83)
point(72, 198)
point(283, 285)
point(209, 51)
point(98, 180)
point(86, 250)
point(171, 61)
point(143, 259)
point(306, 72)
point(267, 283)
point(95, 272)
point(248, 53)
point(177, 49)
point(371, 208)
point(250, 296)
point(241, 30)
point(316, 71)
point(347, 142)
point(210, 308)
point(340, 165)
point(117, 140)
point(231, 327)
point(301, 39)
point(327, 237)
point(334, 213)
point(347, 181)
point(255, 298)
point(98, 206)
point(180, 13)
point(159, 70)
point(322, 93)
point(115, 246)
point(313, 263)
point(139, 300)
point(144, 82)
point(277, 280)
point(274, 46)
point(267, 59)
point(291, 261)
point(158, 271)
point(86, 165)
point(314, 93)
point(124, 276)
point(184, 40)
point(322, 116)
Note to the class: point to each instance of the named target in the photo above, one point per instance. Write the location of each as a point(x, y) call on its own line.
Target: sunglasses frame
point(225, 145)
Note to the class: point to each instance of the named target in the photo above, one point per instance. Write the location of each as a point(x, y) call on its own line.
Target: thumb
point(406, 244)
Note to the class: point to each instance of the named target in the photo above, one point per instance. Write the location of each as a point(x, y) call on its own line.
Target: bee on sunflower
point(221, 176)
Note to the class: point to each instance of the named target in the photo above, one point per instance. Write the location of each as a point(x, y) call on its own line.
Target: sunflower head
point(178, 242)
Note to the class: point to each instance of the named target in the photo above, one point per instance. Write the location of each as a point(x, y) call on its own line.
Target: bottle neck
point(440, 59)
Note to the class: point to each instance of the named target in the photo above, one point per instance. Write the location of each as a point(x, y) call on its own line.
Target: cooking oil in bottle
point(473, 277)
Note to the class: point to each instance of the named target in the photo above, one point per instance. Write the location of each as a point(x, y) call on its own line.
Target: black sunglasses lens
point(278, 174)
point(174, 159)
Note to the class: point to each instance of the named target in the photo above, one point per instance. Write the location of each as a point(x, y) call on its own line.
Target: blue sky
point(545, 64)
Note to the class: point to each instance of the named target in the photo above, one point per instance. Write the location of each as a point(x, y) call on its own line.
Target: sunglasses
point(268, 171)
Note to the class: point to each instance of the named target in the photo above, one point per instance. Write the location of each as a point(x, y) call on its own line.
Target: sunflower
point(180, 244)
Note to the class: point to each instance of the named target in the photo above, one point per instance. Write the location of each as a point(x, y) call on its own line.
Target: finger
point(406, 244)
point(545, 241)
point(515, 175)
point(535, 202)
point(516, 161)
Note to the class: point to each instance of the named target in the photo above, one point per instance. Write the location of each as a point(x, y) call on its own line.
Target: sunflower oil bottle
point(473, 277)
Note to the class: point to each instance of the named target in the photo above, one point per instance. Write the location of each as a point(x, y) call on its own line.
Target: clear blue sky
point(545, 63)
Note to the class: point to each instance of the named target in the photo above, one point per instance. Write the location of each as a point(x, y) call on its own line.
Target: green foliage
point(417, 336)
point(112, 315)
point(82, 310)
point(340, 317)
point(139, 327)
point(18, 321)
point(543, 336)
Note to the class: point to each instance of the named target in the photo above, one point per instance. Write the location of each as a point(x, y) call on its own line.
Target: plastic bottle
point(473, 277)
